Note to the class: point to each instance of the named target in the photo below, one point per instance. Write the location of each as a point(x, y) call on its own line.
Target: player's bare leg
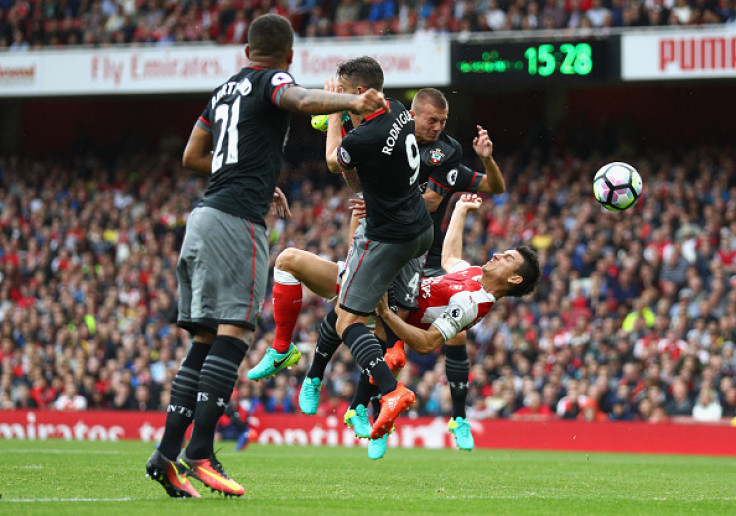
point(293, 269)
point(457, 370)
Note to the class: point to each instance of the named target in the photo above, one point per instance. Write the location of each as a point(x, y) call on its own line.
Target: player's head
point(270, 39)
point(360, 74)
point(516, 271)
point(429, 109)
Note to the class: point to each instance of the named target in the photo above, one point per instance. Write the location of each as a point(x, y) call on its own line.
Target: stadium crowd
point(634, 317)
point(61, 23)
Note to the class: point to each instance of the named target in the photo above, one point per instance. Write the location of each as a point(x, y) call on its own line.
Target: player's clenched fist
point(370, 101)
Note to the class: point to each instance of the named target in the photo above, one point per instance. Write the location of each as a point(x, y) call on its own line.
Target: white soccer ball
point(617, 186)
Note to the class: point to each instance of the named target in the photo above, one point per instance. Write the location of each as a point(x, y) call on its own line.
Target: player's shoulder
point(396, 105)
point(452, 144)
point(445, 149)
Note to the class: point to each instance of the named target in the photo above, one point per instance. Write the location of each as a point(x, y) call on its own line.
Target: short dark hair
point(271, 35)
point(528, 270)
point(362, 71)
point(431, 96)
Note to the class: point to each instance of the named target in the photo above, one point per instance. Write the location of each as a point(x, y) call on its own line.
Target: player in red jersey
point(461, 292)
point(458, 300)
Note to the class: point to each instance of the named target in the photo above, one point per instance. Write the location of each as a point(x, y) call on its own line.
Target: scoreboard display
point(565, 61)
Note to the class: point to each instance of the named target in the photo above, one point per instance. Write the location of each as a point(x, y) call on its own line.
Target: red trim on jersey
point(253, 273)
point(475, 174)
point(356, 269)
point(374, 115)
point(256, 67)
point(435, 182)
point(205, 121)
point(273, 97)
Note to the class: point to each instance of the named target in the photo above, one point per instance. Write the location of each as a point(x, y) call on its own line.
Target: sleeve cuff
point(446, 329)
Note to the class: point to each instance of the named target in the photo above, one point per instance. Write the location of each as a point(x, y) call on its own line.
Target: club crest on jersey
point(281, 78)
point(435, 156)
point(452, 177)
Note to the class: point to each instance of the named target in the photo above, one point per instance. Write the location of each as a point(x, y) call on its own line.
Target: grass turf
point(59, 477)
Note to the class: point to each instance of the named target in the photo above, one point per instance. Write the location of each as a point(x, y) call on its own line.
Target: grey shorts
point(373, 266)
point(222, 271)
point(431, 272)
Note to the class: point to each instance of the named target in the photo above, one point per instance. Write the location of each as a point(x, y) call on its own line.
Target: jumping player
point(238, 142)
point(382, 150)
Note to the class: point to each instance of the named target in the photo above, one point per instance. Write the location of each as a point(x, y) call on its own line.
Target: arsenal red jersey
point(453, 302)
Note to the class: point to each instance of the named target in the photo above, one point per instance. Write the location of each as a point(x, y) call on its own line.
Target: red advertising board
point(705, 439)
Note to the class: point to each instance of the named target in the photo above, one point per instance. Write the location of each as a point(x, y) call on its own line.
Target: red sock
point(287, 304)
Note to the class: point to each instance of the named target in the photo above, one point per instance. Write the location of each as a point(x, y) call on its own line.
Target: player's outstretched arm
point(319, 102)
point(422, 341)
point(493, 182)
point(452, 247)
point(198, 152)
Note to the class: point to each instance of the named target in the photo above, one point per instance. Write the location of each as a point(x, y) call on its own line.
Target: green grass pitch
point(58, 477)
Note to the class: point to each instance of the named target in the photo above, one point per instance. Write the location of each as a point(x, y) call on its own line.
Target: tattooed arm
point(318, 102)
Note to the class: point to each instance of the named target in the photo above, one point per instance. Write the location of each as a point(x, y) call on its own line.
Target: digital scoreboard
point(536, 61)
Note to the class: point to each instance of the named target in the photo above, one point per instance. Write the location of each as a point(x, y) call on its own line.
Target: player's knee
point(287, 260)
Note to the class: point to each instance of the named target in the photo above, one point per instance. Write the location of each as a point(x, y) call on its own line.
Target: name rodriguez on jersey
point(403, 119)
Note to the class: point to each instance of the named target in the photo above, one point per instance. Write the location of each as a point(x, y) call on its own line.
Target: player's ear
point(247, 51)
point(516, 279)
point(290, 57)
point(412, 113)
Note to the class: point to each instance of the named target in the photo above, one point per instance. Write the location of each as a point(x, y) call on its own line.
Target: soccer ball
point(617, 186)
point(319, 122)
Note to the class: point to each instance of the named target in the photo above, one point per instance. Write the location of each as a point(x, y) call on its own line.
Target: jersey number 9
point(412, 153)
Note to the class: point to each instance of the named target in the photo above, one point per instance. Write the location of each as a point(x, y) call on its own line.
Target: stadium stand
point(25, 25)
point(634, 318)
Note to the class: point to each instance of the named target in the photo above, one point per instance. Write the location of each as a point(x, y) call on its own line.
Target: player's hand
point(280, 204)
point(369, 102)
point(358, 207)
point(382, 309)
point(469, 202)
point(332, 86)
point(482, 144)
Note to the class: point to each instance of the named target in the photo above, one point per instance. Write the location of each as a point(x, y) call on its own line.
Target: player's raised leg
point(293, 268)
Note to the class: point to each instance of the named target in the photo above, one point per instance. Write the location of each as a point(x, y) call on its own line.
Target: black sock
point(363, 392)
point(327, 343)
point(183, 400)
point(391, 337)
point(367, 352)
point(457, 369)
point(219, 374)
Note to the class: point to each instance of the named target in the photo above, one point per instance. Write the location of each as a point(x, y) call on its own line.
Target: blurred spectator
point(533, 409)
point(70, 399)
point(707, 408)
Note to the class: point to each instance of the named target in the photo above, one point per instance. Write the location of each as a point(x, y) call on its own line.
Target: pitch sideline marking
point(61, 452)
point(46, 500)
